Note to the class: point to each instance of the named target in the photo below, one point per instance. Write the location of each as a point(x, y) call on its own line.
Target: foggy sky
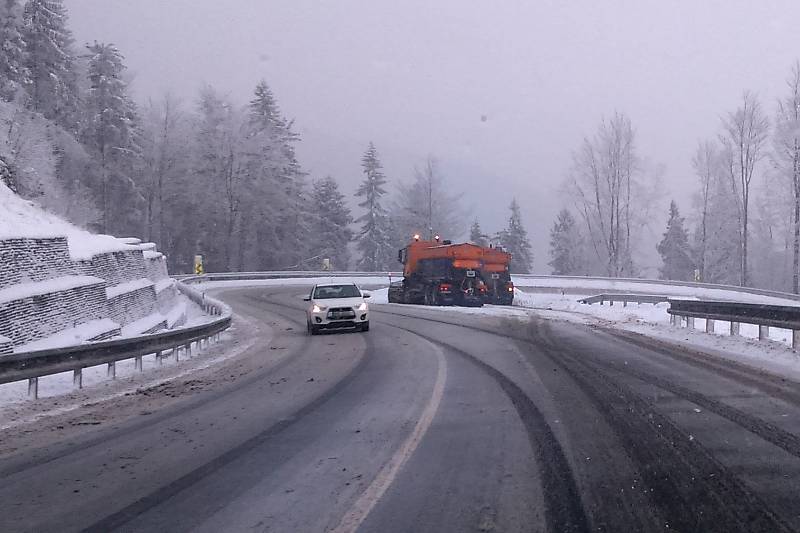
point(416, 77)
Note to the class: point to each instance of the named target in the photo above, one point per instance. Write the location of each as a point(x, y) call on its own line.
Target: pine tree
point(515, 239)
point(331, 232)
point(13, 71)
point(565, 245)
point(278, 183)
point(111, 131)
point(674, 249)
point(50, 61)
point(476, 235)
point(375, 238)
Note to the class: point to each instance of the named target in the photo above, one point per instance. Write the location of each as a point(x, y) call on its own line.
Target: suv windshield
point(336, 291)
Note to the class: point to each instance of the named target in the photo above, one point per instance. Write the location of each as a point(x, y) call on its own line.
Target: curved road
point(433, 421)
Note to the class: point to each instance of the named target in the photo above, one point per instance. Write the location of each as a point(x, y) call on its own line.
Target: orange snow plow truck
point(496, 276)
point(441, 273)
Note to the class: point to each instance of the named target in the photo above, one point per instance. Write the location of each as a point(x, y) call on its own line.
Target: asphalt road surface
point(432, 421)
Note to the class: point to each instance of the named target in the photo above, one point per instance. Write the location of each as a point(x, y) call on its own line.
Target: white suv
point(337, 305)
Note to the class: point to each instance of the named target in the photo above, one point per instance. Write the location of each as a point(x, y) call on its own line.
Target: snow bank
point(380, 296)
point(73, 336)
point(597, 286)
point(23, 219)
point(129, 286)
point(37, 288)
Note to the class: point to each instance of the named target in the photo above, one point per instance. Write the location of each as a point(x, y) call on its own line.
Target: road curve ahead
point(432, 421)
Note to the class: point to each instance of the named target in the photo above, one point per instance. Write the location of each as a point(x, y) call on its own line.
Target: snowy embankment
point(22, 219)
point(580, 287)
point(61, 285)
point(775, 355)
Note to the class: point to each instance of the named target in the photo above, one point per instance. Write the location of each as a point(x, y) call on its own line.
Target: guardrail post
point(77, 378)
point(690, 322)
point(674, 320)
point(709, 326)
point(159, 358)
point(624, 303)
point(33, 388)
point(189, 350)
point(796, 340)
point(734, 329)
point(137, 364)
point(763, 333)
point(176, 351)
point(111, 372)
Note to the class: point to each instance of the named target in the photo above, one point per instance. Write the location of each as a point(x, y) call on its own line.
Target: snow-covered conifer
point(375, 238)
point(111, 132)
point(330, 232)
point(566, 246)
point(50, 60)
point(13, 70)
point(674, 249)
point(278, 183)
point(515, 239)
point(476, 234)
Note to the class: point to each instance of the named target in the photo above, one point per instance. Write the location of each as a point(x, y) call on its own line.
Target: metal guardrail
point(223, 276)
point(666, 283)
point(36, 364)
point(280, 274)
point(624, 298)
point(762, 315)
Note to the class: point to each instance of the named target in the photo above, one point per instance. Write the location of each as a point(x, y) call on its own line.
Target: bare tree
point(786, 158)
point(603, 181)
point(219, 141)
point(161, 156)
point(744, 133)
point(706, 164)
point(427, 205)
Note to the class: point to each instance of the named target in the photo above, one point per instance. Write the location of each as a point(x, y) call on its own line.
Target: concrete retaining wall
point(37, 317)
point(132, 305)
point(134, 284)
point(26, 260)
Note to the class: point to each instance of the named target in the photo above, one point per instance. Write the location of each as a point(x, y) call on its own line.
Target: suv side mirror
point(306, 298)
point(366, 295)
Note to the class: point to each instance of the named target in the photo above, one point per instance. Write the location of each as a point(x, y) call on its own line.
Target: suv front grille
point(341, 313)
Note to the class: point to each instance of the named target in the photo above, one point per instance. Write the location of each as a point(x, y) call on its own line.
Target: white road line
point(370, 497)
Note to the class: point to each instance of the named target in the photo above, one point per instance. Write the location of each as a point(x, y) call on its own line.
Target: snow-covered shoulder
point(23, 219)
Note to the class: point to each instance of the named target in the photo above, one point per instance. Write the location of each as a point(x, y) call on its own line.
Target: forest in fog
point(221, 178)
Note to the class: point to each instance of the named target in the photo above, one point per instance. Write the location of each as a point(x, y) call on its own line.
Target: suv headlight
point(318, 308)
point(363, 306)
